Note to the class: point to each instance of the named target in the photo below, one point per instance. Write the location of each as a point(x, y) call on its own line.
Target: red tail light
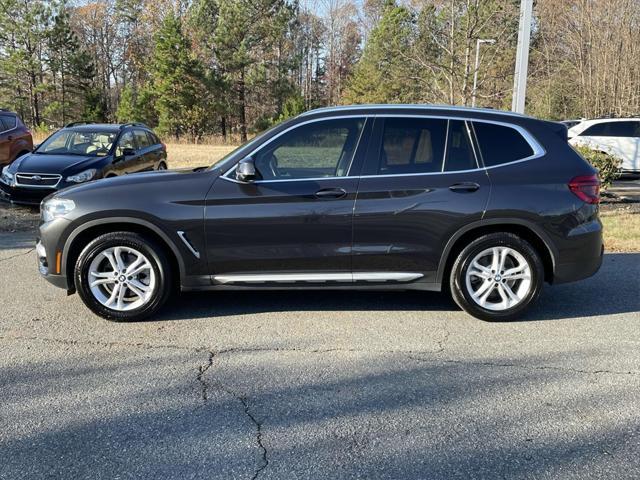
point(586, 188)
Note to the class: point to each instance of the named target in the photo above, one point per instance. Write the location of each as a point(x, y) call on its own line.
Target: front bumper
point(24, 195)
point(49, 250)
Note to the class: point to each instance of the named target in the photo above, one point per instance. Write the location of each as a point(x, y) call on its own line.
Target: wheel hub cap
point(121, 278)
point(498, 278)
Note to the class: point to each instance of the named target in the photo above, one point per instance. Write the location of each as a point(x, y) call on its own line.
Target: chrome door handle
point(331, 193)
point(464, 187)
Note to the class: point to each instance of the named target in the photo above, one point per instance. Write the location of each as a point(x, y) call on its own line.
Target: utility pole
point(475, 72)
point(522, 57)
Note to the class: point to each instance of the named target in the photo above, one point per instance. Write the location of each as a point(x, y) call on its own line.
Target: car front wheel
point(123, 276)
point(497, 277)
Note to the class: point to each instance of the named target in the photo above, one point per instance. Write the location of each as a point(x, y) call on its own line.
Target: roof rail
point(75, 124)
point(133, 124)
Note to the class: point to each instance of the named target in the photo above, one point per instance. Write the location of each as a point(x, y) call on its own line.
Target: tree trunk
point(243, 107)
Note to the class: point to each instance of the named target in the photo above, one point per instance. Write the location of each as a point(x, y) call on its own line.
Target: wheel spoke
point(495, 259)
point(510, 293)
point(145, 266)
point(113, 296)
point(101, 274)
point(102, 281)
point(112, 261)
point(121, 293)
point(133, 265)
point(117, 253)
point(478, 270)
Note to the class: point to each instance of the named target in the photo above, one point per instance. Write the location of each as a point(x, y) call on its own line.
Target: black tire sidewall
point(458, 275)
point(145, 246)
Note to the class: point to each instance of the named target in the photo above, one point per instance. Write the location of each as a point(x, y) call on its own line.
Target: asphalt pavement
point(319, 385)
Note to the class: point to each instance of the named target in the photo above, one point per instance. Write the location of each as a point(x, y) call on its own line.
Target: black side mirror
point(246, 170)
point(128, 152)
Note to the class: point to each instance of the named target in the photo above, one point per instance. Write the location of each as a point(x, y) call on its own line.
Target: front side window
point(126, 141)
point(500, 144)
point(412, 145)
point(69, 142)
point(315, 150)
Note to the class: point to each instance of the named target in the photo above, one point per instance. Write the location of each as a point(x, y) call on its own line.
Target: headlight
point(56, 208)
point(83, 176)
point(7, 177)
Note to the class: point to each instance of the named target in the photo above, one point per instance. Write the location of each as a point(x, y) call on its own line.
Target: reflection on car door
point(295, 223)
point(7, 128)
point(145, 150)
point(419, 185)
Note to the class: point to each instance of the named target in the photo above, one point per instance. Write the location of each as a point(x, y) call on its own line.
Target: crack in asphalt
point(17, 255)
point(442, 342)
point(243, 399)
point(528, 367)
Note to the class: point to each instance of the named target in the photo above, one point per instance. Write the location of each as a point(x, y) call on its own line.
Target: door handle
point(331, 193)
point(464, 187)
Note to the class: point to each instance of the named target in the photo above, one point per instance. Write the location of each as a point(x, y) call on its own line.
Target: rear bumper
point(582, 256)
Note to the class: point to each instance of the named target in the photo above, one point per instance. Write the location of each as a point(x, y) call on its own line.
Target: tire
point(506, 298)
point(144, 293)
point(161, 166)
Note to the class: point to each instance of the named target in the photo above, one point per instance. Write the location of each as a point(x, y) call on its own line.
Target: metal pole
point(475, 72)
point(522, 57)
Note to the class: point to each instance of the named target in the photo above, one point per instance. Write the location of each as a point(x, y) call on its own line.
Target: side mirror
point(246, 170)
point(128, 152)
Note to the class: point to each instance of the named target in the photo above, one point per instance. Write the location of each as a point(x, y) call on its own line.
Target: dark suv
point(81, 152)
point(489, 204)
point(15, 137)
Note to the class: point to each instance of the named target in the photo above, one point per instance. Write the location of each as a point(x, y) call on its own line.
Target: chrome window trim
point(538, 150)
point(18, 184)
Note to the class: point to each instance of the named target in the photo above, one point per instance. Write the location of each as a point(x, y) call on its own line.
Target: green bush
point(608, 165)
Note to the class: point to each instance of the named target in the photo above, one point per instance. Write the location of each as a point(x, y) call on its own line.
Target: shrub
point(608, 165)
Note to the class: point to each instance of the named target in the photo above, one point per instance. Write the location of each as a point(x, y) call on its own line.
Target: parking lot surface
point(319, 385)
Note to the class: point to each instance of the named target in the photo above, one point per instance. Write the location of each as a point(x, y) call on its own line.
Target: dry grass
point(192, 155)
point(621, 231)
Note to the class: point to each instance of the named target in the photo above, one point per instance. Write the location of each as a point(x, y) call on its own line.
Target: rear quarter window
point(7, 122)
point(500, 144)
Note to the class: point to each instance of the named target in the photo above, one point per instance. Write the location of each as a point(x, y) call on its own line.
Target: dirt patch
point(14, 218)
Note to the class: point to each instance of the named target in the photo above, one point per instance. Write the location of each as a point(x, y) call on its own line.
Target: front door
point(293, 224)
point(419, 186)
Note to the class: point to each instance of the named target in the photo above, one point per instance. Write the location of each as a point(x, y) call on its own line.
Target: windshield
point(69, 142)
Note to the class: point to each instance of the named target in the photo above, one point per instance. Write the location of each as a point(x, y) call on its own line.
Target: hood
point(128, 183)
point(60, 164)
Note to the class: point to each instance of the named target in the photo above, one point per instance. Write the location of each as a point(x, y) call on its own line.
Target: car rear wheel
point(497, 277)
point(123, 276)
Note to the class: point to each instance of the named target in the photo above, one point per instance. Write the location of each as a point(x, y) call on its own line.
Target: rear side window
point(153, 140)
point(141, 139)
point(460, 154)
point(412, 145)
point(7, 122)
point(500, 144)
point(613, 129)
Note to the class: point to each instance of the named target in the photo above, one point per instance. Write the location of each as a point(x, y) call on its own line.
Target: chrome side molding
point(186, 241)
point(318, 277)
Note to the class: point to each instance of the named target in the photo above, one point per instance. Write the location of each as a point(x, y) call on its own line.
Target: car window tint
point(152, 139)
point(500, 144)
point(460, 154)
point(126, 141)
point(613, 129)
point(318, 149)
point(8, 122)
point(141, 139)
point(412, 145)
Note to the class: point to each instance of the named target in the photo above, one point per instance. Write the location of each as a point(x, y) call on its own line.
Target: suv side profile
point(485, 203)
point(15, 137)
point(617, 136)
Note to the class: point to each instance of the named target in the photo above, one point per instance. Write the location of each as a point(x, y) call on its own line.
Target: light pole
point(475, 72)
point(522, 57)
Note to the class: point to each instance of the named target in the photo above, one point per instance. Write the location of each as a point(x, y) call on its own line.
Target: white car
point(618, 136)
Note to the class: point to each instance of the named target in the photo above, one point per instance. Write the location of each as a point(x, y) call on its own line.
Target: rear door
point(421, 183)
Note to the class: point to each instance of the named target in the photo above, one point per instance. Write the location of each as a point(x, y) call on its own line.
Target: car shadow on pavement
point(613, 290)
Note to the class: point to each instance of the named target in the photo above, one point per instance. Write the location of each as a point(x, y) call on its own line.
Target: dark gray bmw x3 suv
point(488, 204)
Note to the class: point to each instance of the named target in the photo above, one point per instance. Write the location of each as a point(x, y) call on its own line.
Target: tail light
point(586, 188)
